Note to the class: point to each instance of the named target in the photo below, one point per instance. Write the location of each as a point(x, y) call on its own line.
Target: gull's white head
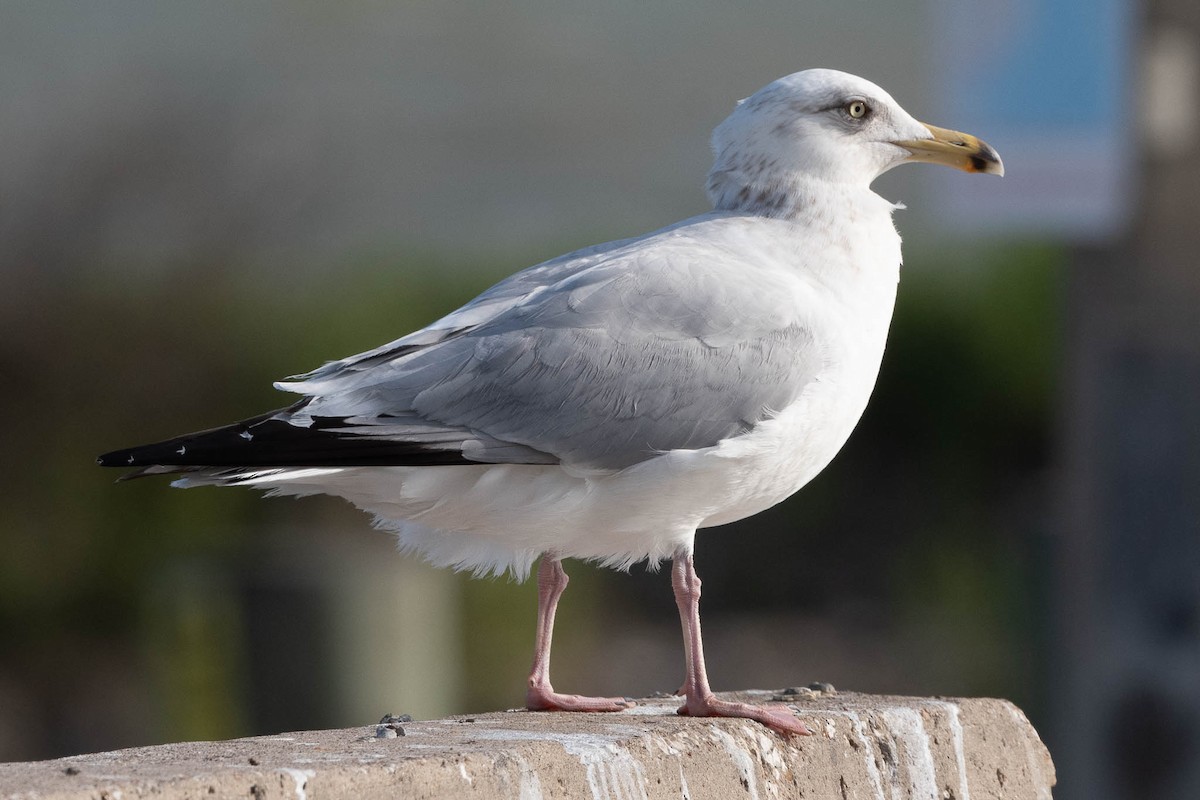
point(826, 126)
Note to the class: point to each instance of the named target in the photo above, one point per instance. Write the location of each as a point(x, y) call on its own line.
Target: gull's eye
point(857, 109)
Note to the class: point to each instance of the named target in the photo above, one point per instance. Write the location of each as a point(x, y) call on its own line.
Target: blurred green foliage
point(104, 365)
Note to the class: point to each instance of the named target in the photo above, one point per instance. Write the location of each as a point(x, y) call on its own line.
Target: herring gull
point(607, 404)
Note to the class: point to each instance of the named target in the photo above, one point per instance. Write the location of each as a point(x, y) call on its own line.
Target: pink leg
point(701, 702)
point(552, 580)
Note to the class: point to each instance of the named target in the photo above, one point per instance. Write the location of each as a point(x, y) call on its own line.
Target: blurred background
point(197, 199)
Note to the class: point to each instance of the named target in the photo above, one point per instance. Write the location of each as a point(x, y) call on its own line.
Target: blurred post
point(1129, 713)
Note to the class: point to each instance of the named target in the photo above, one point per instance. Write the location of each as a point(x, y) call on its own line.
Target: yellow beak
point(959, 150)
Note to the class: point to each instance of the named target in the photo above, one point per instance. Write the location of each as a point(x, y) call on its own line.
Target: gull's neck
point(782, 195)
point(847, 223)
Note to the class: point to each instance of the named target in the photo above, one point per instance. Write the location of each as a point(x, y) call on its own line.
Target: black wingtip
point(269, 441)
point(117, 458)
point(122, 458)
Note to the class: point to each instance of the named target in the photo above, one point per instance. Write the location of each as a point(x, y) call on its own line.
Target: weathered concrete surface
point(864, 746)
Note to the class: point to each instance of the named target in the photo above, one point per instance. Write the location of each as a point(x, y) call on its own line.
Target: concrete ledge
point(866, 746)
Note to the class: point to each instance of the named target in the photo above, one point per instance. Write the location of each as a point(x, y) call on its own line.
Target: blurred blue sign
point(1047, 83)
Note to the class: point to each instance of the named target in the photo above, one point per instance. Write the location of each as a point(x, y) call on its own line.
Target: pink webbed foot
point(776, 716)
point(701, 702)
point(544, 698)
point(540, 696)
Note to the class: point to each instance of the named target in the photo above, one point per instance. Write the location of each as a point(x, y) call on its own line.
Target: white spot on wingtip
point(247, 435)
point(182, 451)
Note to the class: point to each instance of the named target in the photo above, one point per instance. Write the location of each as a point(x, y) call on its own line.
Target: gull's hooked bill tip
point(954, 149)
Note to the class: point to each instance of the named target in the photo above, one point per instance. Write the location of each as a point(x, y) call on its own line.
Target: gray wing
point(602, 359)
